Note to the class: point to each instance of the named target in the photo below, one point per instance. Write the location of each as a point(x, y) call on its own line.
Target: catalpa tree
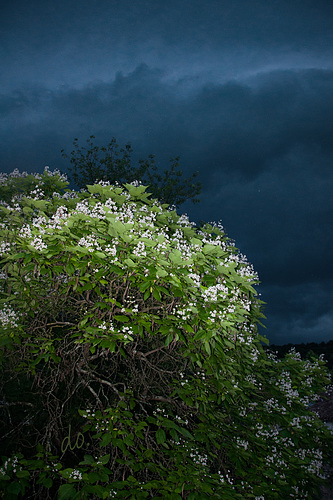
point(131, 364)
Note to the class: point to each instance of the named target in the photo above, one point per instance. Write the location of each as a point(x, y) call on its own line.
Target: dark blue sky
point(241, 91)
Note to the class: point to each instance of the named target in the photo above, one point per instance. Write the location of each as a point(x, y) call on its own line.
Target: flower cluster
point(285, 385)
point(215, 292)
point(4, 178)
point(10, 464)
point(76, 474)
point(90, 242)
point(8, 317)
point(38, 243)
point(4, 248)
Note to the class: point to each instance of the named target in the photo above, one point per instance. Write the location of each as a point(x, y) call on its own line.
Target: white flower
point(241, 443)
point(4, 248)
point(8, 317)
point(25, 231)
point(38, 243)
point(89, 242)
point(76, 474)
point(139, 251)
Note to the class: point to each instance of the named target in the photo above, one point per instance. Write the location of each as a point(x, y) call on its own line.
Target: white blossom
point(8, 317)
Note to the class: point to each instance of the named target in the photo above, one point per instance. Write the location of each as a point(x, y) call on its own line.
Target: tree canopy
point(131, 364)
point(114, 164)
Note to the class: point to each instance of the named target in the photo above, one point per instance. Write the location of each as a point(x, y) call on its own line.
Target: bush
point(130, 358)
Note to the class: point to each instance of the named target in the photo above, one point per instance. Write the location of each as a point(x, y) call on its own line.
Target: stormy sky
point(241, 90)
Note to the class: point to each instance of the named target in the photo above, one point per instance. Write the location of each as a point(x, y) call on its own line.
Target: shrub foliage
point(131, 365)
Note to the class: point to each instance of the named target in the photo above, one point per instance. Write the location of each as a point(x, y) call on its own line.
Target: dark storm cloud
point(238, 128)
point(300, 313)
point(65, 43)
point(252, 125)
point(284, 215)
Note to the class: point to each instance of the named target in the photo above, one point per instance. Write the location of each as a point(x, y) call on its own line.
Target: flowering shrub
point(131, 362)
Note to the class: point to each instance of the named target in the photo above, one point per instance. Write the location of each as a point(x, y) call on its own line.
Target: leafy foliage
point(307, 350)
point(130, 358)
point(113, 164)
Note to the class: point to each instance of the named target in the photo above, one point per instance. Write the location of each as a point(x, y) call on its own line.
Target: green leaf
point(170, 424)
point(96, 489)
point(70, 268)
point(169, 339)
point(66, 491)
point(14, 488)
point(175, 257)
point(95, 188)
point(41, 204)
point(128, 440)
point(148, 242)
point(100, 255)
point(130, 263)
point(161, 273)
point(186, 433)
point(196, 241)
point(174, 434)
point(108, 344)
point(27, 258)
point(27, 210)
point(104, 459)
point(229, 344)
point(116, 228)
point(105, 440)
point(160, 436)
point(207, 348)
point(121, 318)
point(135, 191)
point(201, 334)
point(47, 482)
point(87, 460)
point(143, 286)
point(188, 328)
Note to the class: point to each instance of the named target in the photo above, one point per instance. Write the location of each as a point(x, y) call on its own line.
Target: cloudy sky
point(241, 90)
